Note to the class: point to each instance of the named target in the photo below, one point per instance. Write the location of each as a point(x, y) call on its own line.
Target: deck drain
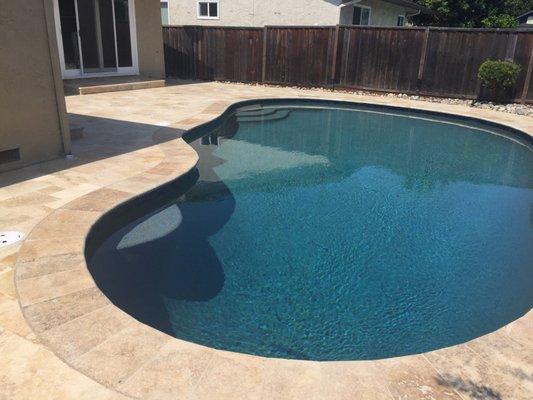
point(7, 238)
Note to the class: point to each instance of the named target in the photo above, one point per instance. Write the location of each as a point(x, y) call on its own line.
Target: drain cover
point(7, 238)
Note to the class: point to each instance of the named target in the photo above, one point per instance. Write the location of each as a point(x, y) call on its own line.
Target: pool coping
point(81, 326)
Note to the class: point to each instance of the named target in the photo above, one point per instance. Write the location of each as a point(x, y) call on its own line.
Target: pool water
point(334, 232)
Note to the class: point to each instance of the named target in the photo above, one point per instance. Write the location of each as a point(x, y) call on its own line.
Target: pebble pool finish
point(334, 233)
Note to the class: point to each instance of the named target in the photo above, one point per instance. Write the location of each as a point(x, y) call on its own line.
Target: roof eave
point(411, 5)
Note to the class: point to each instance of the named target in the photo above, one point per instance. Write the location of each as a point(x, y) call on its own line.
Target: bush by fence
point(426, 61)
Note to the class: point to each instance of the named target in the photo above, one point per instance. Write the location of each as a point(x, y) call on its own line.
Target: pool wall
point(254, 377)
point(136, 207)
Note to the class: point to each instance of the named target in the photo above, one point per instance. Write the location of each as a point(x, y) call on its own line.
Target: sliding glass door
point(95, 37)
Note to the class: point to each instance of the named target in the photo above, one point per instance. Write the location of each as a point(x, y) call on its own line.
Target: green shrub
point(498, 74)
point(499, 21)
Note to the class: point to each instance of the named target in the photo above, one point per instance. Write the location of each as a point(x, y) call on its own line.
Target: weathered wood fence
point(426, 61)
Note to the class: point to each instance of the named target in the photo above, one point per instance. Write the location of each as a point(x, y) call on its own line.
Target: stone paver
point(68, 340)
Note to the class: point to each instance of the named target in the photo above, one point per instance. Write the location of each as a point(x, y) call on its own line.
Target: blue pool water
point(333, 233)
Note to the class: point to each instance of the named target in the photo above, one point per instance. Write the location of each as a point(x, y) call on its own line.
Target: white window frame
point(400, 16)
point(369, 14)
point(168, 9)
point(204, 16)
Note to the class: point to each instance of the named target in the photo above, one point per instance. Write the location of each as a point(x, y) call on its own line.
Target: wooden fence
point(427, 61)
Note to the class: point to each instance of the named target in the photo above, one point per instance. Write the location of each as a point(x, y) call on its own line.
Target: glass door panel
point(69, 33)
point(96, 36)
point(107, 30)
point(88, 35)
point(122, 24)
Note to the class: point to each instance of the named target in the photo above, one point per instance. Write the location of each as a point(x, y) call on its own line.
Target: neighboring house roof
point(410, 4)
point(526, 14)
point(523, 20)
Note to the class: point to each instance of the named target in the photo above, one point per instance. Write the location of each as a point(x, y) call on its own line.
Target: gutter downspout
point(56, 76)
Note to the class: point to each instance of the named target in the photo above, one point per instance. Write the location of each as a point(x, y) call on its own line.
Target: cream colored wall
point(282, 12)
point(149, 38)
point(32, 104)
point(258, 12)
point(381, 13)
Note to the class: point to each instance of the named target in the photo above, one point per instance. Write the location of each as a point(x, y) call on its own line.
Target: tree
point(473, 13)
point(499, 21)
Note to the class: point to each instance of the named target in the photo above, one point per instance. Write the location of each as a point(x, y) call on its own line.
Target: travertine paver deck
point(61, 338)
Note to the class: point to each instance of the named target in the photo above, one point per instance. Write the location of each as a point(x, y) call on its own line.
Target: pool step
point(274, 116)
point(256, 112)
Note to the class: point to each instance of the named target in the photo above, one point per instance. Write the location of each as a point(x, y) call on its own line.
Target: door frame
point(78, 73)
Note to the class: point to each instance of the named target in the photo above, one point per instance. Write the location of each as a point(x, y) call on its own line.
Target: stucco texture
point(31, 98)
point(149, 38)
point(258, 13)
point(381, 13)
point(282, 12)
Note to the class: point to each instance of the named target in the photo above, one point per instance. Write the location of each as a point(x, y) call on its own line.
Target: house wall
point(282, 12)
point(32, 104)
point(381, 13)
point(149, 38)
point(258, 12)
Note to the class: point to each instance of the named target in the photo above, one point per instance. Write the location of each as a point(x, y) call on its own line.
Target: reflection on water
point(334, 235)
point(425, 154)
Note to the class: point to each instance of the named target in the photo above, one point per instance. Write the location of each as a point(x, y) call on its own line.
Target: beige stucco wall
point(32, 105)
point(381, 13)
point(149, 38)
point(282, 12)
point(258, 12)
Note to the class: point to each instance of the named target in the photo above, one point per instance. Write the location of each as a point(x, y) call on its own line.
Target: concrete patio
point(61, 338)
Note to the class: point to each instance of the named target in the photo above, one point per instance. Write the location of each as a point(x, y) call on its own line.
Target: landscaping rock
point(512, 108)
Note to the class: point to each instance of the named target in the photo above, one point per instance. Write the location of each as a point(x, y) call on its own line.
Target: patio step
point(275, 116)
point(118, 87)
point(76, 131)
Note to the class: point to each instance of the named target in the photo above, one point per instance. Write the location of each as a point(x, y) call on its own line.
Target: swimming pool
point(329, 231)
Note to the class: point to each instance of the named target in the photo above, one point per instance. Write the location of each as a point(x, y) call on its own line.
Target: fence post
point(263, 69)
point(528, 77)
point(335, 52)
point(422, 64)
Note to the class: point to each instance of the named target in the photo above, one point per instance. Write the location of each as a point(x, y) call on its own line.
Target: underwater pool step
point(256, 112)
point(276, 116)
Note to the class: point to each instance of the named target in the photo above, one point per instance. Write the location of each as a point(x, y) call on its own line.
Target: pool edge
point(173, 150)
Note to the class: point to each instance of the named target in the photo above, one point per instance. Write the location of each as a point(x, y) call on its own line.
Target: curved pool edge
point(106, 331)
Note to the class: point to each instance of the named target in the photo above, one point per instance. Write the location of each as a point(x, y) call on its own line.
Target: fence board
point(454, 57)
point(372, 58)
point(381, 59)
point(299, 56)
point(522, 55)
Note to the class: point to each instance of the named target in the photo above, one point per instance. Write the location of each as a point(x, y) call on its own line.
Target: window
point(164, 12)
point(361, 15)
point(208, 9)
point(401, 20)
point(529, 20)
